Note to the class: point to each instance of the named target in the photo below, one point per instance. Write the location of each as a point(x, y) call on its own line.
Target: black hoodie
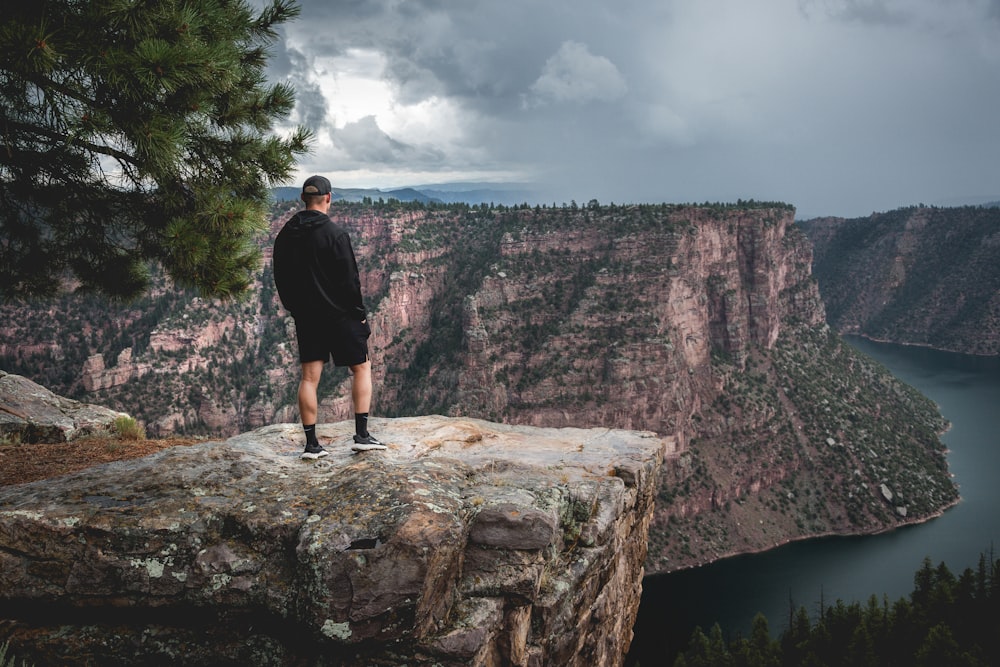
point(315, 270)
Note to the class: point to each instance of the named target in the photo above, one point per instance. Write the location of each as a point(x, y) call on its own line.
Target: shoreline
point(817, 536)
point(926, 346)
point(886, 529)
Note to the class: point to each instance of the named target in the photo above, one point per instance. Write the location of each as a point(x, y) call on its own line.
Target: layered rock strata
point(466, 543)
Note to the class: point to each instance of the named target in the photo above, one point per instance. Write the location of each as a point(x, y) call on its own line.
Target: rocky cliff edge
point(466, 543)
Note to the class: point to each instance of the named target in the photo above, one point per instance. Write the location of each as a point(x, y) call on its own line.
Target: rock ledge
point(467, 543)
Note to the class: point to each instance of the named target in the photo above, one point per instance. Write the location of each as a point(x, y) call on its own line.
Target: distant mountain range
point(508, 194)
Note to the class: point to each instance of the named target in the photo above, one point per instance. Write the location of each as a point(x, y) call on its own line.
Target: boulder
point(466, 543)
point(31, 413)
point(886, 492)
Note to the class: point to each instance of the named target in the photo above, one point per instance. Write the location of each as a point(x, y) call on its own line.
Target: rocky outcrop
point(31, 413)
point(466, 543)
point(96, 375)
point(193, 336)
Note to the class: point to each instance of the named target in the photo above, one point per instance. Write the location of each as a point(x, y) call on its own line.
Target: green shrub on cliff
point(127, 428)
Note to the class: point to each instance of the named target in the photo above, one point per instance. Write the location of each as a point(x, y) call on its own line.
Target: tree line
point(947, 620)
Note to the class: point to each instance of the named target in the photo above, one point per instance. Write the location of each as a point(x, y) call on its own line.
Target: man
point(318, 283)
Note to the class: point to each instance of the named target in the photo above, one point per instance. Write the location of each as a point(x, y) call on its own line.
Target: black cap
point(316, 185)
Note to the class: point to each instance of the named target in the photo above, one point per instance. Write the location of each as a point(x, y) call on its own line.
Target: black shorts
point(345, 340)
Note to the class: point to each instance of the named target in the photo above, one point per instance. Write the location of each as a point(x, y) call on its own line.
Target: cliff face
point(466, 543)
point(699, 323)
point(923, 276)
point(586, 323)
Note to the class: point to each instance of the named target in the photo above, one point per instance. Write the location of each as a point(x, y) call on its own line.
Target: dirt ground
point(27, 462)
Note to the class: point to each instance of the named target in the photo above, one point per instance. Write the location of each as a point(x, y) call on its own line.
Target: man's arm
point(351, 297)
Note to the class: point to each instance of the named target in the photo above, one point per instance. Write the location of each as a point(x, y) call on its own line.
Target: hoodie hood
point(305, 221)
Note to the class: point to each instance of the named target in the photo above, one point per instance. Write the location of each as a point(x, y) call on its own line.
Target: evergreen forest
point(946, 621)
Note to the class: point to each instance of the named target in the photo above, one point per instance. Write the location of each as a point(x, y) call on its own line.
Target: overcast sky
point(838, 107)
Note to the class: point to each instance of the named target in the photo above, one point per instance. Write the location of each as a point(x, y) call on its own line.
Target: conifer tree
point(137, 131)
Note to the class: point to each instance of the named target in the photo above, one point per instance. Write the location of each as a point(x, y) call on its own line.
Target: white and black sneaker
point(367, 443)
point(314, 451)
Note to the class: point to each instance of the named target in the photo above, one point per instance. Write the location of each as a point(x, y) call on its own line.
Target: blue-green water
point(732, 591)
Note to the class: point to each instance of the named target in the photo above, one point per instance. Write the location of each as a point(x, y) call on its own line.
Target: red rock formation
point(95, 376)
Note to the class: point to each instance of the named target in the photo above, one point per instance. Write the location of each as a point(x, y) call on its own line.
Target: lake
point(731, 591)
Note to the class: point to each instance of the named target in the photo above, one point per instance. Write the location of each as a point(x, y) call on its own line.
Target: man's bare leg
point(361, 387)
point(308, 386)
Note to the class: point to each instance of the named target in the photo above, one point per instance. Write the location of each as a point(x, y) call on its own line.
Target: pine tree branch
point(64, 138)
point(44, 83)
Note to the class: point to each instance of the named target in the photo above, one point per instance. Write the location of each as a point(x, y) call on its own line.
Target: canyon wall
point(919, 275)
point(700, 323)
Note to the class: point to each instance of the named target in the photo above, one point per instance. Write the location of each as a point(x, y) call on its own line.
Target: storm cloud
point(839, 107)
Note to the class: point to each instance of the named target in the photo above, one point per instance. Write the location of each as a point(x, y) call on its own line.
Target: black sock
point(310, 434)
point(361, 423)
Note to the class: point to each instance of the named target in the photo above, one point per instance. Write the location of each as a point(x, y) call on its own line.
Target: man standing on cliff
point(317, 279)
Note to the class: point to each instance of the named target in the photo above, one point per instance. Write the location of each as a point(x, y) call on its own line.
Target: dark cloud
point(836, 106)
point(994, 10)
point(486, 53)
point(310, 105)
point(279, 65)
